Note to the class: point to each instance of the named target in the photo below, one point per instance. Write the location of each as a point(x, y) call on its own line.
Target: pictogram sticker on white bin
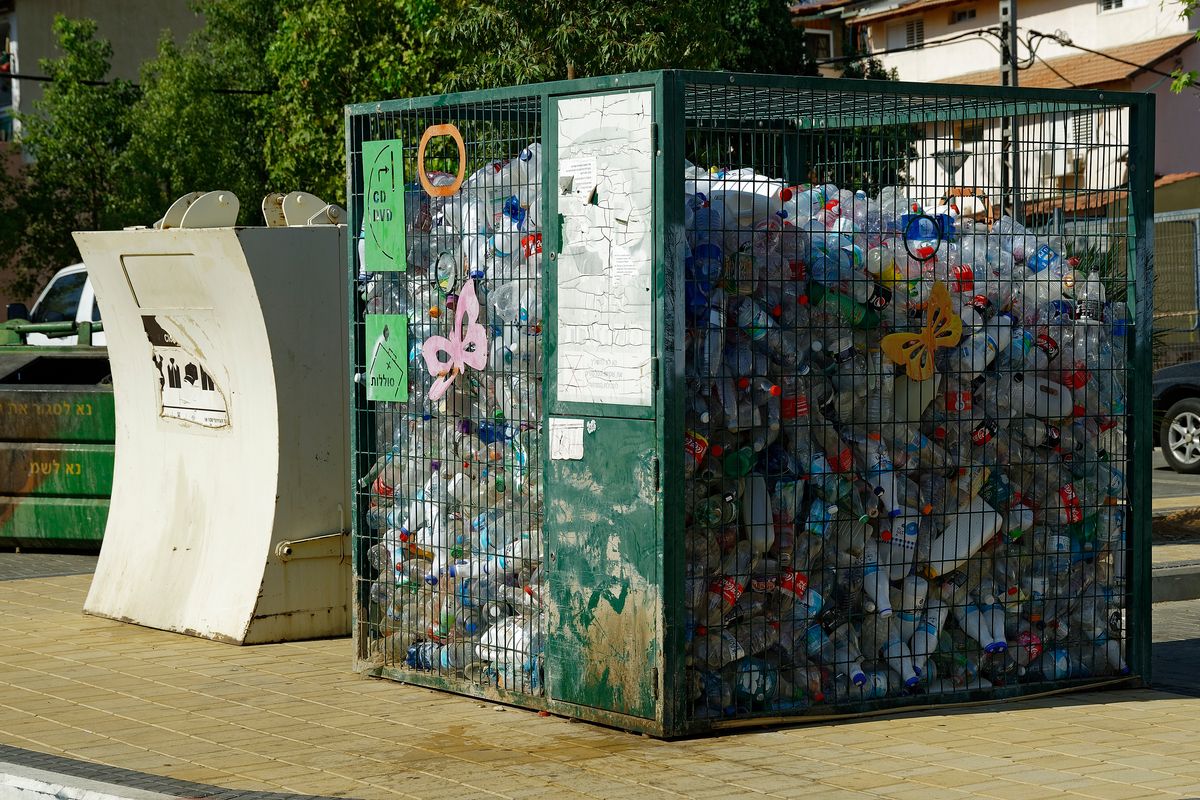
point(187, 390)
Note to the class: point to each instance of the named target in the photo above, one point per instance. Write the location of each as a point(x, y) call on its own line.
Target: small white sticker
point(624, 265)
point(577, 176)
point(566, 439)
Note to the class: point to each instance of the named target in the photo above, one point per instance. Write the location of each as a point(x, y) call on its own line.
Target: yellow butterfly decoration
point(943, 328)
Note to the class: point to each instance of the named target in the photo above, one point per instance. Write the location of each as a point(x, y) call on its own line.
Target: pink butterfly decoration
point(447, 358)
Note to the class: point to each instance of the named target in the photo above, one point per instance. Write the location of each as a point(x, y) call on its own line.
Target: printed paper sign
point(387, 357)
point(566, 439)
point(187, 389)
point(577, 176)
point(383, 207)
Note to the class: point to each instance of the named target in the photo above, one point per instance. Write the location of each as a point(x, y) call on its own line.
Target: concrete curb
point(1171, 582)
point(27, 783)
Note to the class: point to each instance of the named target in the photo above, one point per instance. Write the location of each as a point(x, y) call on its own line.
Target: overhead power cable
point(17, 76)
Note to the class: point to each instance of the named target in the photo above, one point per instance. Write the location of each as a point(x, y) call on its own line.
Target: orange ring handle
point(452, 132)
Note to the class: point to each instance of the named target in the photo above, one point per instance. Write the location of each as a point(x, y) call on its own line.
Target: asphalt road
point(1172, 491)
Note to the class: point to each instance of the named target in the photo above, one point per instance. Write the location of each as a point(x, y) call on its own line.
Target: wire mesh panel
point(448, 360)
point(906, 448)
point(1176, 274)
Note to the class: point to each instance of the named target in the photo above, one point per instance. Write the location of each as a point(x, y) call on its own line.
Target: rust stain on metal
point(621, 626)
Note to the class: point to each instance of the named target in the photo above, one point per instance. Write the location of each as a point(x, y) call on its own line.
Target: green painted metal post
point(672, 341)
point(1140, 265)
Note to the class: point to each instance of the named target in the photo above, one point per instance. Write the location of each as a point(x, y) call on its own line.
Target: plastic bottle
point(728, 587)
point(758, 324)
point(875, 580)
point(981, 349)
point(1090, 300)
point(847, 656)
point(924, 641)
point(911, 608)
point(970, 529)
point(973, 623)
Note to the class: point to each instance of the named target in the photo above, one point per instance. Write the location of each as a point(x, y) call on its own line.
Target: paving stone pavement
point(294, 718)
point(16, 566)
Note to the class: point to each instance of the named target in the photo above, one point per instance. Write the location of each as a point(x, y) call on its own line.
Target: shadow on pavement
point(1174, 666)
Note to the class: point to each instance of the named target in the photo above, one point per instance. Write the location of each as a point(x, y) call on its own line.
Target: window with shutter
point(910, 33)
point(1082, 127)
point(914, 32)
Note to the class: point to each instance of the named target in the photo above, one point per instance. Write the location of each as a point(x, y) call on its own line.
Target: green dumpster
point(56, 447)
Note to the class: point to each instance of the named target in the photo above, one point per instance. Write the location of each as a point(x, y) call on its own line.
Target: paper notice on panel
point(566, 439)
point(605, 304)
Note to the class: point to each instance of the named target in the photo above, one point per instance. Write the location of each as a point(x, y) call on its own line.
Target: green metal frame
point(670, 98)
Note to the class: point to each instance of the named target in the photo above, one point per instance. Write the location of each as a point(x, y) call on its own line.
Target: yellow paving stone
point(145, 761)
point(1118, 791)
point(1134, 775)
point(274, 771)
point(1004, 790)
point(908, 792)
point(1151, 761)
point(232, 760)
point(950, 778)
point(860, 781)
point(198, 774)
point(826, 792)
point(1179, 783)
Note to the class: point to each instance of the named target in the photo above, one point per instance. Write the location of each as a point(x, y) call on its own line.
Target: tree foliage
point(76, 135)
point(254, 101)
point(759, 37)
point(502, 42)
point(325, 54)
point(1185, 79)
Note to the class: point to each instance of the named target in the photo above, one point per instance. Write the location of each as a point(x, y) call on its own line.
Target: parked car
point(68, 297)
point(1177, 405)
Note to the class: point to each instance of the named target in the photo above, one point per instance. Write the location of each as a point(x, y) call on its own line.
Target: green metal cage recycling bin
point(688, 401)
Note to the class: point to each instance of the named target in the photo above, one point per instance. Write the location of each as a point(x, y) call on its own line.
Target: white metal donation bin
point(229, 355)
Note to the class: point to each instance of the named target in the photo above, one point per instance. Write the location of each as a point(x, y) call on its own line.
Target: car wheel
point(1180, 436)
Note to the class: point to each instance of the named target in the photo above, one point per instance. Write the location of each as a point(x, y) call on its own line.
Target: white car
point(69, 297)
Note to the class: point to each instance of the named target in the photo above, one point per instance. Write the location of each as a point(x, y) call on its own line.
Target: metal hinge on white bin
point(201, 210)
point(326, 545)
point(298, 209)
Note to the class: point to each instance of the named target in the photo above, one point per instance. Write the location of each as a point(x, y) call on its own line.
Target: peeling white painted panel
point(605, 303)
